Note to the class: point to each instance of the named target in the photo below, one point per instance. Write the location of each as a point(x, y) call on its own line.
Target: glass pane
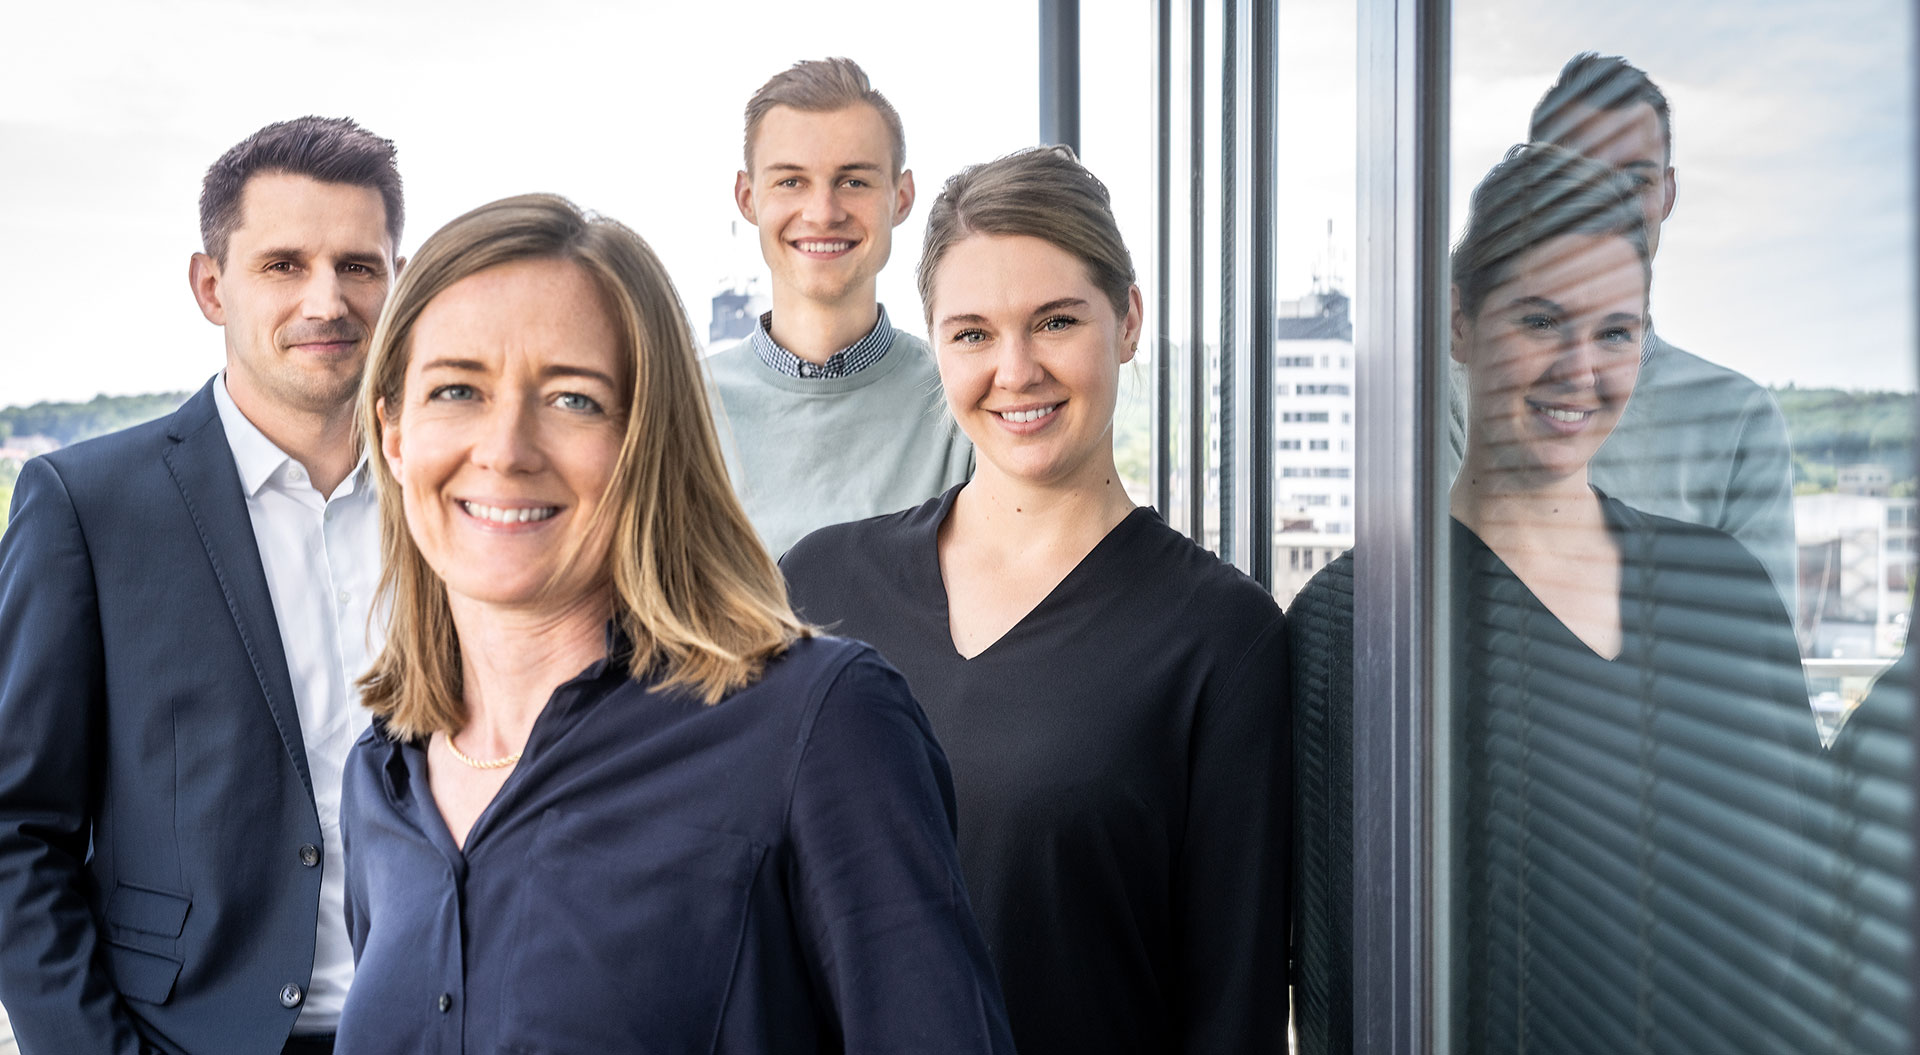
point(1117, 103)
point(1313, 510)
point(1679, 804)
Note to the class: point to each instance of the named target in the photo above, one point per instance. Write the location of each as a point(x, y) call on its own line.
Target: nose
point(823, 206)
point(508, 439)
point(1017, 368)
point(1579, 363)
point(323, 296)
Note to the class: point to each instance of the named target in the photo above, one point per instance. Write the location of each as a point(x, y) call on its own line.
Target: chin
point(516, 591)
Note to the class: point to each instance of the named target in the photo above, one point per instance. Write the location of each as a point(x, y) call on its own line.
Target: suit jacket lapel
point(202, 465)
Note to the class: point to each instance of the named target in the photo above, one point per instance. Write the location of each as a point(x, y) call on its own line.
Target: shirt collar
point(257, 457)
point(850, 360)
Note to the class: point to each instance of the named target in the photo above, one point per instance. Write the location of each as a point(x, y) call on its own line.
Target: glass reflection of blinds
point(1320, 622)
point(1860, 955)
point(1641, 840)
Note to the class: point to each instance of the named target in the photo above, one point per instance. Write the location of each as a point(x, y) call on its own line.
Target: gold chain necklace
point(491, 763)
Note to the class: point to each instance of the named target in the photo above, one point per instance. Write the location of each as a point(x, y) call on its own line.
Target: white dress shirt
point(321, 555)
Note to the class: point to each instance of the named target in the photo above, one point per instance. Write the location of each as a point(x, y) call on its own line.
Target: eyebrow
point(555, 370)
point(1559, 309)
point(1538, 302)
point(854, 166)
point(1062, 302)
point(291, 253)
point(1052, 305)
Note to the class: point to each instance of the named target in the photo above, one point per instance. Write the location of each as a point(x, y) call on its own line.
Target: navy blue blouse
point(774, 873)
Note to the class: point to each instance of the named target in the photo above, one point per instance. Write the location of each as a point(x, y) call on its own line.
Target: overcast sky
point(1788, 256)
point(110, 113)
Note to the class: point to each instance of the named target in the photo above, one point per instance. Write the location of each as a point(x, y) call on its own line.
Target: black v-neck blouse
point(1629, 835)
point(1121, 764)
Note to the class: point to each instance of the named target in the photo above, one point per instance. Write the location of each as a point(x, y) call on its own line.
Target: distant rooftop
point(1315, 317)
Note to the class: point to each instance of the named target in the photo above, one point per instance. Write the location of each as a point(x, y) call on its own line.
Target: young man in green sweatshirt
point(827, 412)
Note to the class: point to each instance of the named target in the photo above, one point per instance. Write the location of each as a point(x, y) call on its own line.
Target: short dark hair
point(823, 86)
point(328, 149)
point(1538, 193)
point(1602, 82)
point(1040, 192)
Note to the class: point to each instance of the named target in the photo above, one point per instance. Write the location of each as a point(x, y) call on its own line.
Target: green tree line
point(69, 423)
point(1832, 428)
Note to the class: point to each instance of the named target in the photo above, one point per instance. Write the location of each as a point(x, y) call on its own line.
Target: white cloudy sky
point(1789, 255)
point(111, 110)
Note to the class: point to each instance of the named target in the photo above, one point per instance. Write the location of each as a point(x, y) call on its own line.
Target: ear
point(743, 196)
point(1130, 327)
point(399, 265)
point(903, 196)
point(389, 437)
point(203, 274)
point(1459, 327)
point(1669, 190)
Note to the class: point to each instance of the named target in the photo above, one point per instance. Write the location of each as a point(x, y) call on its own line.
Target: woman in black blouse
point(1629, 859)
point(616, 797)
point(1112, 697)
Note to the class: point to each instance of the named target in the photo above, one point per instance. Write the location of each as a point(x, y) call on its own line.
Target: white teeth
point(517, 515)
point(823, 247)
point(1568, 416)
point(1023, 416)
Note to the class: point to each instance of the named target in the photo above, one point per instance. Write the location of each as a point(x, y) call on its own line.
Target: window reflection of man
point(1698, 442)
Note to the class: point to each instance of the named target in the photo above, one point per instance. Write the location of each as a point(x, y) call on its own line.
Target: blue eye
point(969, 337)
point(574, 401)
point(1539, 323)
point(1058, 323)
point(452, 393)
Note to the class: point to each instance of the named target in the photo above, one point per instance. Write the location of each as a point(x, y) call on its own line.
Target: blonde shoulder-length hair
point(696, 593)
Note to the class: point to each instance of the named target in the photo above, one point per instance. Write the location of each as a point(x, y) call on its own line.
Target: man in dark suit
point(183, 611)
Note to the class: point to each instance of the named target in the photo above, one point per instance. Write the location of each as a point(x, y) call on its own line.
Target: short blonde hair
point(823, 86)
point(694, 590)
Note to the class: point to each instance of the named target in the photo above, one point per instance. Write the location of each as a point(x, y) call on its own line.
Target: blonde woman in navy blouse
point(616, 797)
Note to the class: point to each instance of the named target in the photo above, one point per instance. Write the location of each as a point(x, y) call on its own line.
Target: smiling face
point(510, 427)
point(825, 197)
point(1030, 352)
point(305, 274)
point(1552, 355)
point(1629, 139)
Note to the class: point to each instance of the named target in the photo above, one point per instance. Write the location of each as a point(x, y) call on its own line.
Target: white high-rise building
point(1313, 436)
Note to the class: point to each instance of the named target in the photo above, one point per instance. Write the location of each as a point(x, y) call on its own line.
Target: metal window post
point(1060, 72)
point(1399, 567)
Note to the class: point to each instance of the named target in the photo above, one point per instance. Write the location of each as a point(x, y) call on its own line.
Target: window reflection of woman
point(1549, 330)
point(1626, 687)
point(1113, 697)
point(616, 797)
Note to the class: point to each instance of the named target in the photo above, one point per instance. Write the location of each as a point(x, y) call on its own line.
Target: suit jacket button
point(290, 995)
point(310, 855)
point(446, 1002)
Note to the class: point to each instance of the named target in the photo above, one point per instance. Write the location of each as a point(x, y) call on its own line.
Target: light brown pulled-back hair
point(819, 86)
point(1537, 193)
point(1040, 192)
point(696, 593)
